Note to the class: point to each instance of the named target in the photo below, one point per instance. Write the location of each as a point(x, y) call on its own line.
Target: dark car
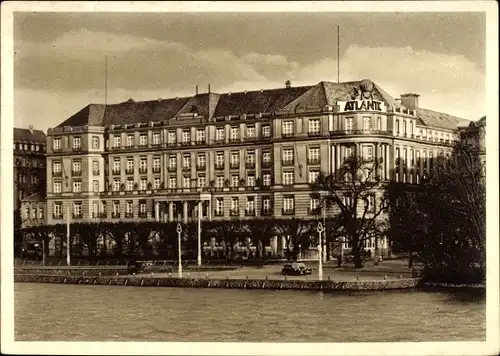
point(295, 268)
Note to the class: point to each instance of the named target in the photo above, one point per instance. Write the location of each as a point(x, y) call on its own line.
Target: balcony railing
point(288, 183)
point(266, 164)
point(287, 134)
point(313, 133)
point(250, 164)
point(314, 211)
point(143, 170)
point(186, 143)
point(156, 144)
point(234, 165)
point(234, 212)
point(314, 161)
point(57, 174)
point(129, 171)
point(171, 144)
point(156, 169)
point(219, 141)
point(235, 139)
point(219, 166)
point(186, 168)
point(76, 173)
point(59, 149)
point(249, 212)
point(287, 211)
point(266, 212)
point(77, 149)
point(287, 162)
point(360, 132)
point(172, 168)
point(200, 142)
point(201, 167)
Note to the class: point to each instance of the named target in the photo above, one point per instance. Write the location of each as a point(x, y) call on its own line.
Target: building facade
point(244, 155)
point(29, 167)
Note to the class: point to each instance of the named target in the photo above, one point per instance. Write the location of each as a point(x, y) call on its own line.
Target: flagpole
point(338, 54)
point(68, 250)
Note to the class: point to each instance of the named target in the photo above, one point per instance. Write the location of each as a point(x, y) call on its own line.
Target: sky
point(59, 64)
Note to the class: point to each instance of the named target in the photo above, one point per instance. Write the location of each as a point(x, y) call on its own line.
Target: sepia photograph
point(278, 178)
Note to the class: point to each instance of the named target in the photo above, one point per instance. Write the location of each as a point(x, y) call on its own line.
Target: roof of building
point(210, 105)
point(29, 135)
point(35, 197)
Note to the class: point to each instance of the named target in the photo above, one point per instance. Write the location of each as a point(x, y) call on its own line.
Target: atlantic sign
point(361, 105)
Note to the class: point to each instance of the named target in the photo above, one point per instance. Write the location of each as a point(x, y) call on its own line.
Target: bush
point(469, 275)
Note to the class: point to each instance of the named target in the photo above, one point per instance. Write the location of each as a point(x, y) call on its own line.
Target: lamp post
point(68, 248)
point(199, 233)
point(320, 251)
point(179, 231)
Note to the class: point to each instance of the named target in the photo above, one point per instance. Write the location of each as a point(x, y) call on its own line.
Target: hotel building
point(247, 154)
point(29, 174)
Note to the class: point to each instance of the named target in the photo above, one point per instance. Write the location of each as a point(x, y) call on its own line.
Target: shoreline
point(262, 284)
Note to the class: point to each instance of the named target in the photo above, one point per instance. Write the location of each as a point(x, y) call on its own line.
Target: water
point(52, 312)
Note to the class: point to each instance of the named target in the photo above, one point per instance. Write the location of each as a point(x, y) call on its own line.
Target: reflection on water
point(52, 312)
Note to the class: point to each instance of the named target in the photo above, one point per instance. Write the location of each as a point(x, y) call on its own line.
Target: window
point(367, 123)
point(288, 204)
point(156, 164)
point(40, 213)
point(77, 186)
point(143, 140)
point(219, 181)
point(186, 136)
point(235, 158)
point(157, 183)
point(144, 184)
point(77, 167)
point(347, 200)
point(412, 158)
point(266, 131)
point(370, 203)
point(235, 180)
point(266, 179)
point(130, 140)
point(116, 166)
point(313, 157)
point(418, 159)
point(103, 208)
point(266, 157)
point(95, 186)
point(235, 204)
point(172, 162)
point(288, 128)
point(251, 131)
point(314, 126)
point(314, 204)
point(56, 144)
point(116, 208)
point(77, 142)
point(95, 142)
point(250, 205)
point(251, 181)
point(186, 161)
point(201, 181)
point(250, 157)
point(404, 128)
point(411, 127)
point(129, 208)
point(130, 184)
point(313, 175)
point(142, 207)
point(219, 160)
point(200, 135)
point(397, 127)
point(348, 124)
point(57, 210)
point(57, 187)
point(348, 152)
point(95, 167)
point(172, 182)
point(156, 138)
point(219, 206)
point(56, 168)
point(25, 147)
point(266, 203)
point(288, 178)
point(77, 208)
point(219, 134)
point(379, 123)
point(117, 141)
point(287, 155)
point(143, 165)
point(186, 182)
point(235, 133)
point(116, 185)
point(368, 153)
point(130, 165)
point(171, 137)
point(201, 160)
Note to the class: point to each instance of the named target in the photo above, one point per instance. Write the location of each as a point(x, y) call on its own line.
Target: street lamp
point(179, 231)
point(199, 233)
point(320, 251)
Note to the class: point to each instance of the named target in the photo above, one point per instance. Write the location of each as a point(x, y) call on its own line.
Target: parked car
point(295, 268)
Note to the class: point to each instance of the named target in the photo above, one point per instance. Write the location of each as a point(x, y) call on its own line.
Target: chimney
point(288, 84)
point(196, 90)
point(410, 101)
point(208, 88)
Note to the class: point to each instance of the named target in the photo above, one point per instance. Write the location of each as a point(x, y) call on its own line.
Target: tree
point(297, 231)
point(260, 232)
point(227, 232)
point(355, 190)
